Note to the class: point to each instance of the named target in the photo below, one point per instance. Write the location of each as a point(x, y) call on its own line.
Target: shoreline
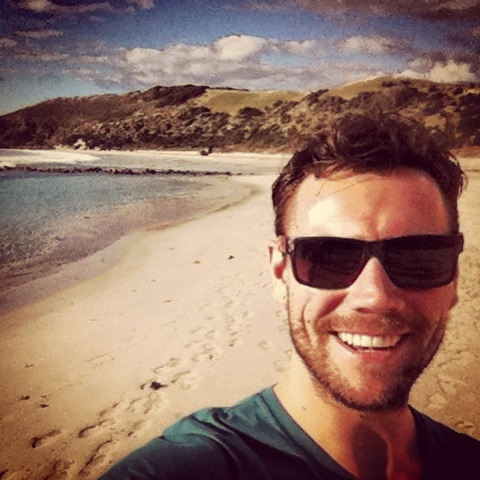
point(62, 155)
point(33, 286)
point(38, 285)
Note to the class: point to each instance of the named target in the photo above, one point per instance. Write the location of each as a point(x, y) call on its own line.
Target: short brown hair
point(361, 143)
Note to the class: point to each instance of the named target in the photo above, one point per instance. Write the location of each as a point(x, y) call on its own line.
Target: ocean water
point(49, 219)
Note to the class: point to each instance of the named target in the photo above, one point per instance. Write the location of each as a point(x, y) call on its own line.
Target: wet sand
point(184, 318)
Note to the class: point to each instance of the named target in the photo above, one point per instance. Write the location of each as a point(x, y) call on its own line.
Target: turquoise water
point(36, 197)
point(49, 219)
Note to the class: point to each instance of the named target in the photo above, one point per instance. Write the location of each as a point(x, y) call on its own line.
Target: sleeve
point(161, 459)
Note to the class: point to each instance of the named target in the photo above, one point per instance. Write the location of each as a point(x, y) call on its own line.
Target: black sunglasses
point(414, 262)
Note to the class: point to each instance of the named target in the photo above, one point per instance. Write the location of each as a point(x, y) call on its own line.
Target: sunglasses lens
point(422, 262)
point(327, 263)
point(416, 262)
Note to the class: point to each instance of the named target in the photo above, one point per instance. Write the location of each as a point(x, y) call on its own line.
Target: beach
point(183, 317)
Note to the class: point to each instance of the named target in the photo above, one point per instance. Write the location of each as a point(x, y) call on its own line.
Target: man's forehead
point(322, 187)
point(317, 199)
point(342, 196)
point(318, 188)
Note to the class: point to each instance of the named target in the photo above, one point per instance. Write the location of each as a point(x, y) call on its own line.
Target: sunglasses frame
point(377, 249)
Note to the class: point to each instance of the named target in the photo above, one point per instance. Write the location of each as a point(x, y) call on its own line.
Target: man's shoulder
point(446, 452)
point(252, 430)
point(439, 435)
point(246, 416)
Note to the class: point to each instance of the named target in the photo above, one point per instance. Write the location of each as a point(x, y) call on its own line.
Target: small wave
point(12, 158)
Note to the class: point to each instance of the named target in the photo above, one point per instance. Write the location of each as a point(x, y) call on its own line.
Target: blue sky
point(59, 48)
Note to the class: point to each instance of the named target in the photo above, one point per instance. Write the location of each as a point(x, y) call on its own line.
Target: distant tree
point(249, 112)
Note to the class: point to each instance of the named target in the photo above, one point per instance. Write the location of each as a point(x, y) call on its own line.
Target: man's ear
point(278, 263)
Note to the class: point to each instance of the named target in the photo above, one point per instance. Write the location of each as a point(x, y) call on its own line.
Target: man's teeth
point(367, 341)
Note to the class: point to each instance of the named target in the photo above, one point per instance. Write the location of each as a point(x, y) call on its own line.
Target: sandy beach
point(182, 318)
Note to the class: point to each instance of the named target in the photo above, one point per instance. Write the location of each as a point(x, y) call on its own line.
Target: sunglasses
point(415, 262)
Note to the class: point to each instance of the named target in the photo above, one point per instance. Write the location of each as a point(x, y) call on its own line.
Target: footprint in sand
point(40, 440)
point(134, 429)
point(207, 352)
point(97, 458)
point(109, 410)
point(185, 380)
point(204, 334)
point(179, 375)
point(265, 344)
point(90, 429)
point(279, 366)
point(59, 469)
point(142, 406)
point(99, 359)
point(172, 362)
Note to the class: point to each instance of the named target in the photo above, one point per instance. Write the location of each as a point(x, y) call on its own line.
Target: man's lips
point(371, 342)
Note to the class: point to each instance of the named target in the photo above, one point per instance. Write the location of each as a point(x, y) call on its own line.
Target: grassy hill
point(232, 101)
point(195, 117)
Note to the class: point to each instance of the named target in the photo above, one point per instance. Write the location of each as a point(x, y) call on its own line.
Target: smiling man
point(366, 264)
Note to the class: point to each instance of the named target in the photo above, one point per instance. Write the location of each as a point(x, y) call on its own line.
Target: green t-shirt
point(257, 440)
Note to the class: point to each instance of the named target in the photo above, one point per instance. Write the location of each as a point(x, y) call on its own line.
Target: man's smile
point(372, 342)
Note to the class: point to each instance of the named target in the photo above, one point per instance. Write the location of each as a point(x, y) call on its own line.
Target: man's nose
point(373, 291)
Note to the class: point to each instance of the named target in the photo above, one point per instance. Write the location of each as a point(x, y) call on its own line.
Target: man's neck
point(370, 445)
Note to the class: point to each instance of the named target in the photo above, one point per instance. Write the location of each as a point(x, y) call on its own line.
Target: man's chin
point(381, 405)
point(394, 399)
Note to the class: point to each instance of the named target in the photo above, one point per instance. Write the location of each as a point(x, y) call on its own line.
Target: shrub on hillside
point(193, 112)
point(249, 112)
point(178, 95)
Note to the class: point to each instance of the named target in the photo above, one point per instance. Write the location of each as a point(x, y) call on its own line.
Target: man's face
point(328, 326)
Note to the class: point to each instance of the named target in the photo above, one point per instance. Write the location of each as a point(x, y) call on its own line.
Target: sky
point(65, 48)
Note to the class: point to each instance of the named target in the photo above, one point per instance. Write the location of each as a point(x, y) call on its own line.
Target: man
point(365, 263)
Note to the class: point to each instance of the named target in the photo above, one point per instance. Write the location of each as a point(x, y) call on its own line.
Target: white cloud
point(142, 4)
point(451, 71)
point(36, 5)
point(7, 42)
point(238, 47)
point(304, 47)
point(445, 71)
point(42, 56)
point(412, 74)
point(475, 32)
point(239, 61)
point(374, 45)
point(220, 58)
point(46, 6)
point(38, 34)
point(97, 59)
point(233, 48)
point(84, 7)
point(141, 55)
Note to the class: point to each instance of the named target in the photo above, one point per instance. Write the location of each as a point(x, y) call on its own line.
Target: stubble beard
point(327, 379)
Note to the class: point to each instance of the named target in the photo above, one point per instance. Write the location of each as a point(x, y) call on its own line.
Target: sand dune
point(183, 319)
